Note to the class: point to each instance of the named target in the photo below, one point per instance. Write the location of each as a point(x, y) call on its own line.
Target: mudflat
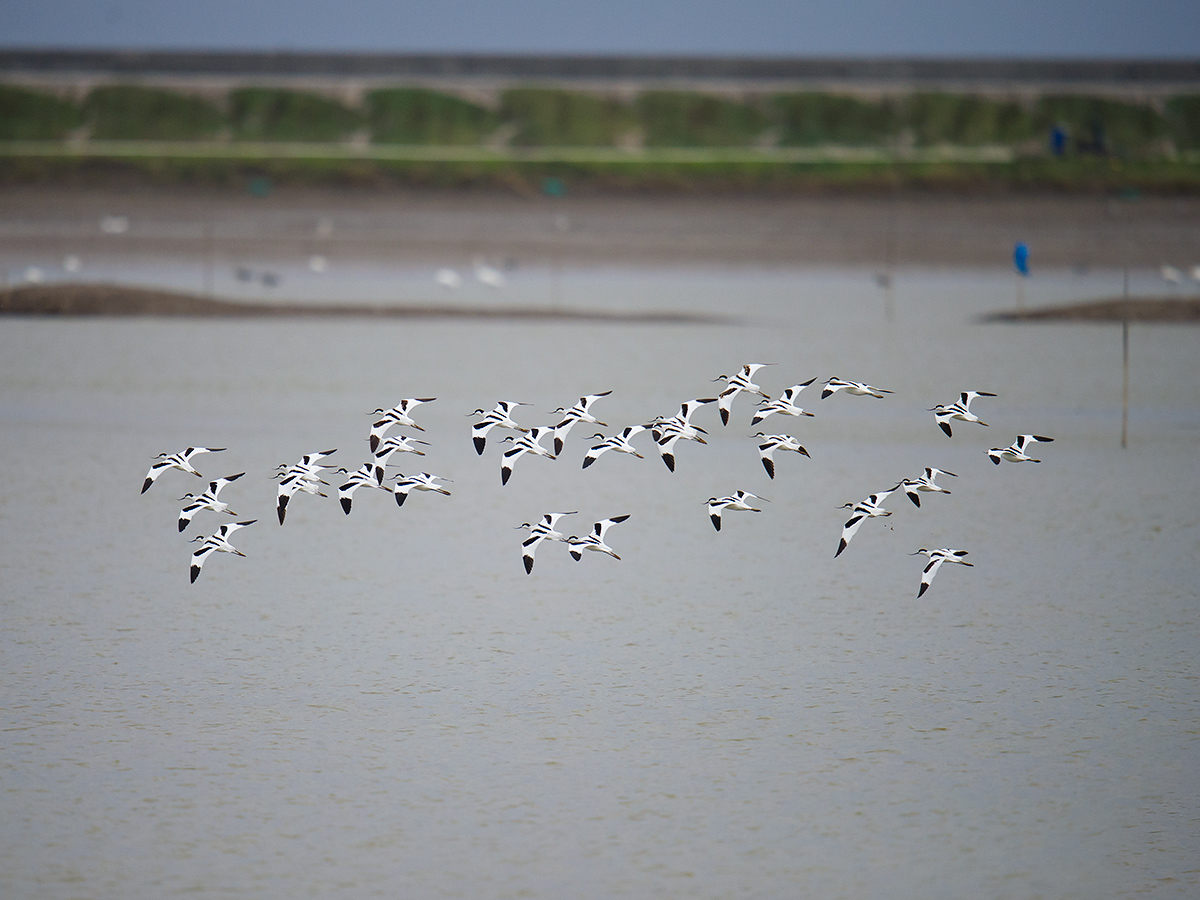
point(872, 229)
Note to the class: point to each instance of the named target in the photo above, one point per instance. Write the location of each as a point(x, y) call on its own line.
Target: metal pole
point(1125, 367)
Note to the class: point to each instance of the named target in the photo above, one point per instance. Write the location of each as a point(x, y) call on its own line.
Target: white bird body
point(833, 385)
point(737, 501)
point(208, 500)
point(391, 446)
point(1016, 451)
point(961, 410)
point(499, 417)
point(595, 540)
point(618, 442)
point(785, 405)
point(181, 461)
point(870, 508)
point(363, 477)
point(217, 542)
point(397, 415)
point(735, 384)
point(580, 412)
point(670, 430)
point(448, 278)
point(522, 444)
point(302, 478)
point(422, 481)
point(936, 558)
point(542, 530)
point(769, 443)
point(913, 488)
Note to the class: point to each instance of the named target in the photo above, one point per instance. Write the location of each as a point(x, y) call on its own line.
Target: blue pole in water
point(1021, 262)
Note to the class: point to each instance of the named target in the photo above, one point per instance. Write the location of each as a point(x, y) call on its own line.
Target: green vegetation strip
point(263, 150)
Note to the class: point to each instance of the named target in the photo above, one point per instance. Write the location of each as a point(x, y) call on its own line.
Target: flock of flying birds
point(306, 475)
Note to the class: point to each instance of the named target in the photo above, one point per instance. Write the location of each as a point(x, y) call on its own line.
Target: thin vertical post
point(1125, 366)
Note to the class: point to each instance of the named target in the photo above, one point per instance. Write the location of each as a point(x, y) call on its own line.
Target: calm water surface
point(384, 704)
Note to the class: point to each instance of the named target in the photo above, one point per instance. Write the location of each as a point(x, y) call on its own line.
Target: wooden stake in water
point(1125, 366)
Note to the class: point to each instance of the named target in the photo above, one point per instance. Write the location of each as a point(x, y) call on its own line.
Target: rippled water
point(385, 704)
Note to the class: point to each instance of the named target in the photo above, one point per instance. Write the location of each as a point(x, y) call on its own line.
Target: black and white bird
point(618, 442)
point(769, 443)
point(936, 558)
point(522, 444)
point(833, 385)
point(391, 446)
point(181, 461)
point(870, 508)
point(542, 530)
point(397, 415)
point(913, 488)
point(945, 413)
point(595, 540)
point(499, 417)
point(1015, 452)
point(785, 405)
point(738, 501)
point(209, 500)
point(217, 542)
point(580, 412)
point(363, 477)
point(668, 431)
point(302, 478)
point(421, 481)
point(735, 385)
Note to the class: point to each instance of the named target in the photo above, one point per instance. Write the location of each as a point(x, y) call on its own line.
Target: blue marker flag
point(1021, 258)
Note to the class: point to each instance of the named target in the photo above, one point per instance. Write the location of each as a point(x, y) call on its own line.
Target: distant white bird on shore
point(936, 558)
point(1015, 452)
point(1171, 274)
point(735, 385)
point(769, 443)
point(217, 542)
point(786, 405)
point(833, 385)
point(448, 278)
point(595, 540)
point(488, 275)
point(207, 500)
point(181, 461)
point(944, 413)
point(870, 508)
point(738, 500)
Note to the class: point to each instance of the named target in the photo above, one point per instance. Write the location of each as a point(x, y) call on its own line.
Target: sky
point(788, 28)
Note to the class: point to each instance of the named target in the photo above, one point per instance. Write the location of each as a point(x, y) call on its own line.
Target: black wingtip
point(770, 467)
point(916, 499)
point(401, 496)
point(945, 426)
point(195, 572)
point(504, 476)
point(528, 564)
point(924, 587)
point(480, 443)
point(826, 393)
point(183, 523)
point(670, 461)
point(588, 460)
point(841, 547)
point(558, 445)
point(346, 503)
point(724, 416)
point(716, 520)
point(146, 485)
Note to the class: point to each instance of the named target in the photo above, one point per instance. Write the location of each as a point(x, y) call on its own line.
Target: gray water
point(384, 704)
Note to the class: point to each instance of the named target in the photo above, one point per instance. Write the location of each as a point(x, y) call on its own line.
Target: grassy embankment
point(554, 140)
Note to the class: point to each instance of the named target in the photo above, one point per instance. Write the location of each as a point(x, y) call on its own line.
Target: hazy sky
point(1071, 28)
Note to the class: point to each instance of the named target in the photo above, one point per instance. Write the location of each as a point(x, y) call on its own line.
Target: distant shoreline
point(75, 300)
point(113, 300)
point(1182, 310)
